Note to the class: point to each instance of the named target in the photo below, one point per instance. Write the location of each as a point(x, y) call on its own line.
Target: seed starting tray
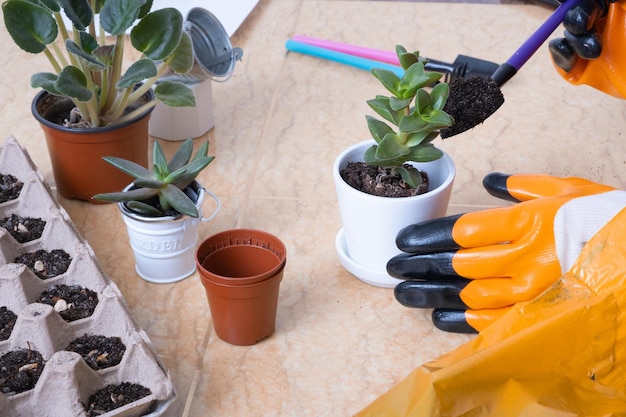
point(66, 382)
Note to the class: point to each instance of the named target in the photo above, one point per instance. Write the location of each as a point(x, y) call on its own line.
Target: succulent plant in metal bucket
point(168, 183)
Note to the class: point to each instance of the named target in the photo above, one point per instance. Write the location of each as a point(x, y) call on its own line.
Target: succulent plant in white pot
point(401, 155)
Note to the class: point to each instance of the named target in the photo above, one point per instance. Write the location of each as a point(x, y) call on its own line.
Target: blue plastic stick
point(355, 61)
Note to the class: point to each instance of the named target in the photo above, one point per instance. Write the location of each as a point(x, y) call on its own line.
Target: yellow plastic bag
point(563, 354)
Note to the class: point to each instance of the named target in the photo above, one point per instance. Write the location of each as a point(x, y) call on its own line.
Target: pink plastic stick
point(363, 52)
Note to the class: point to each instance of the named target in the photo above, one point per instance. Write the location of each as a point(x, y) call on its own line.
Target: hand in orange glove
point(472, 267)
point(593, 50)
point(561, 354)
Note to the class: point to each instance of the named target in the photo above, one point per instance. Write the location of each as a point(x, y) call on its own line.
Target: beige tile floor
point(280, 121)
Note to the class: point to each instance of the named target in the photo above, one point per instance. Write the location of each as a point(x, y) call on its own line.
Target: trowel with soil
point(473, 99)
point(474, 83)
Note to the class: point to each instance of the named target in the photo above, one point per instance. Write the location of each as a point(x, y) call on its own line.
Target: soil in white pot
point(380, 181)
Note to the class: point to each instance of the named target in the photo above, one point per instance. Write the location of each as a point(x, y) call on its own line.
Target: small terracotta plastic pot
point(241, 271)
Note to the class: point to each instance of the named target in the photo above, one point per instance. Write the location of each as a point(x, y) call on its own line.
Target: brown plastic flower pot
point(76, 154)
point(241, 271)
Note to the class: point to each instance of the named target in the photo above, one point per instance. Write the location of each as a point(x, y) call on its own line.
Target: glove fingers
point(476, 264)
point(488, 251)
point(587, 46)
point(563, 54)
point(431, 294)
point(496, 185)
point(429, 236)
point(490, 227)
point(465, 321)
point(448, 234)
point(583, 16)
point(452, 321)
point(522, 187)
point(423, 266)
point(502, 292)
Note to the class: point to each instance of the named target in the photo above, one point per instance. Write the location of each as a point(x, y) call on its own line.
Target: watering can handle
point(234, 56)
point(217, 209)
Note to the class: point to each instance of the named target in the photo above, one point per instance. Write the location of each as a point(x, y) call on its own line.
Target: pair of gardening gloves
point(593, 49)
point(543, 280)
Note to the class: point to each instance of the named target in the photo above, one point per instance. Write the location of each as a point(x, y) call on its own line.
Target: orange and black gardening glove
point(561, 354)
point(472, 268)
point(593, 49)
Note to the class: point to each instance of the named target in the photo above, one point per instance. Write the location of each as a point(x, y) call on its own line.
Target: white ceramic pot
point(370, 223)
point(164, 247)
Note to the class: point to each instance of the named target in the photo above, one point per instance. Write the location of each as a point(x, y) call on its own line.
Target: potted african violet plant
point(89, 105)
point(399, 177)
point(162, 208)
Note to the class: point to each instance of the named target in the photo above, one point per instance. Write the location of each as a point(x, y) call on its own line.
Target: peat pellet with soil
point(72, 302)
point(10, 187)
point(23, 229)
point(114, 396)
point(99, 352)
point(7, 322)
point(20, 370)
point(46, 264)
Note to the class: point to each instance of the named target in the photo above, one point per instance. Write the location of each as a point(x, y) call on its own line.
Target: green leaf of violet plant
point(89, 70)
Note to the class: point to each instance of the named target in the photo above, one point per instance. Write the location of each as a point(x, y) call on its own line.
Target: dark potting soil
point(62, 111)
point(10, 187)
point(20, 370)
point(98, 351)
point(72, 302)
point(23, 229)
point(46, 264)
point(471, 101)
point(114, 396)
point(7, 322)
point(380, 181)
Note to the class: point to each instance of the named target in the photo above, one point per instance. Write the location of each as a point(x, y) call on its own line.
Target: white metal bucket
point(164, 247)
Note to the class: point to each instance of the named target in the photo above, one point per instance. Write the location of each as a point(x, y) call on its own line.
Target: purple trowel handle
point(533, 43)
point(528, 48)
